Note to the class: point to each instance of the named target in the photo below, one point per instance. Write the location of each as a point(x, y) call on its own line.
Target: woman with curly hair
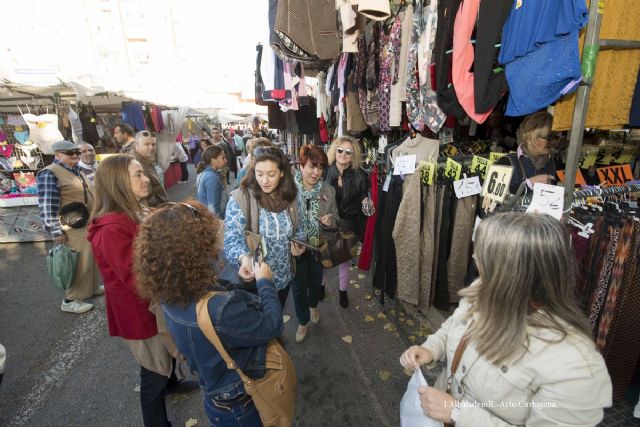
point(265, 205)
point(120, 187)
point(176, 268)
point(352, 189)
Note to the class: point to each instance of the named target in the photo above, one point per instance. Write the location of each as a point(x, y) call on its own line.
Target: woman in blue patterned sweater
point(267, 197)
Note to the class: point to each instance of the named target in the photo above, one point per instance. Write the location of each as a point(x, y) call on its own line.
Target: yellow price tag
point(452, 169)
point(628, 151)
point(479, 165)
point(428, 172)
point(496, 186)
point(451, 150)
point(493, 157)
point(605, 156)
point(588, 156)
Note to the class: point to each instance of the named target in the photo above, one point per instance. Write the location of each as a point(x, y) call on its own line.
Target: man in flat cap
point(65, 200)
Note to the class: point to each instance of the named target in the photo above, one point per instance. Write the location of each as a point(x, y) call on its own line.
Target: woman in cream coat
point(526, 356)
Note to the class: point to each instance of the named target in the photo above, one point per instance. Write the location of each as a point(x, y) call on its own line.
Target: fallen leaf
point(412, 338)
point(357, 286)
point(137, 388)
point(286, 318)
point(423, 332)
point(382, 316)
point(357, 307)
point(384, 375)
point(368, 318)
point(411, 322)
point(361, 276)
point(397, 335)
point(408, 372)
point(367, 296)
point(352, 281)
point(190, 422)
point(389, 327)
point(378, 292)
point(348, 339)
point(401, 320)
point(351, 268)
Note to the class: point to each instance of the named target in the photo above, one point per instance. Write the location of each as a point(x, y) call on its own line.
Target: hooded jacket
point(111, 237)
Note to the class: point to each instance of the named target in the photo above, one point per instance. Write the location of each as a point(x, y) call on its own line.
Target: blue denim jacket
point(244, 322)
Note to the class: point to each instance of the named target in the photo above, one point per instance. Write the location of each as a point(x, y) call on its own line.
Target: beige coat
point(562, 383)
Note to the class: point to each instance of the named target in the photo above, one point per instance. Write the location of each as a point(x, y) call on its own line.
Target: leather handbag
point(274, 394)
point(338, 248)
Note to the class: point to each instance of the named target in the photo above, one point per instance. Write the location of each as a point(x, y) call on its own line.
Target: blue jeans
point(237, 415)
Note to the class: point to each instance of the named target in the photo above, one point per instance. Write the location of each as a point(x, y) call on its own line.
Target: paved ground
point(64, 369)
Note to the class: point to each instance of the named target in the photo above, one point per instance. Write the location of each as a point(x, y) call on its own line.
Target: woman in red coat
point(120, 186)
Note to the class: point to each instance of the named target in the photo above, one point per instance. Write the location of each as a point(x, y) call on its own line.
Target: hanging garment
point(322, 105)
point(6, 150)
point(88, 119)
point(422, 105)
point(389, 64)
point(462, 59)
point(15, 120)
point(447, 100)
point(376, 10)
point(460, 250)
point(616, 72)
point(22, 137)
point(366, 255)
point(398, 89)
point(441, 297)
point(438, 222)
point(351, 24)
point(76, 126)
point(600, 293)
point(132, 115)
point(489, 86)
point(427, 246)
point(3, 137)
point(43, 131)
point(355, 119)
point(361, 73)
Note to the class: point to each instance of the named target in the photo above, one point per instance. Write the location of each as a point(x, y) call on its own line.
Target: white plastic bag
point(411, 414)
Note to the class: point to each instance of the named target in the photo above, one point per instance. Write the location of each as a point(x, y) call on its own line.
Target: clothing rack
point(606, 191)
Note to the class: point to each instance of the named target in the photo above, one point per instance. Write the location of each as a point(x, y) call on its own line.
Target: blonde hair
point(525, 262)
point(533, 126)
point(113, 188)
point(356, 157)
point(253, 143)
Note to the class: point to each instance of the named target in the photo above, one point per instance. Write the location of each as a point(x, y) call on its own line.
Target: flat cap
point(64, 146)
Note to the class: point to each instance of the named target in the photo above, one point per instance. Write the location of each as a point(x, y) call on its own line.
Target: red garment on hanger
point(6, 150)
point(364, 263)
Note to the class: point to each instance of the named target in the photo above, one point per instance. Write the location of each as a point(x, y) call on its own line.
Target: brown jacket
point(158, 194)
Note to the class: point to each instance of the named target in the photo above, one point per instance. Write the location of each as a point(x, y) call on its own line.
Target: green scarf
point(310, 207)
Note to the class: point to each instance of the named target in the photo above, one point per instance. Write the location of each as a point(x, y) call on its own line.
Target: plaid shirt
point(49, 198)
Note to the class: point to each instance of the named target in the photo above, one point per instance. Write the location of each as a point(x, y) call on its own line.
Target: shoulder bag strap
point(204, 322)
point(462, 346)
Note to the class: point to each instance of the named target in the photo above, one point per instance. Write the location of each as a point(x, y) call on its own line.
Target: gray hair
point(527, 278)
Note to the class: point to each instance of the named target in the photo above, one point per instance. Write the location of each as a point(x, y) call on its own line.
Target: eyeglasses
point(347, 151)
point(71, 153)
point(266, 150)
point(194, 211)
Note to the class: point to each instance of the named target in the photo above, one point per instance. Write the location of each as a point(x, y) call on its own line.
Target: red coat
point(111, 238)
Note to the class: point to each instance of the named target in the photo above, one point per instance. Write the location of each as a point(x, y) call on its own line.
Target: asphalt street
point(64, 370)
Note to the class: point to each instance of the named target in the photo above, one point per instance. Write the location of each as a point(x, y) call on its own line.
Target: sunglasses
point(347, 151)
point(194, 211)
point(71, 153)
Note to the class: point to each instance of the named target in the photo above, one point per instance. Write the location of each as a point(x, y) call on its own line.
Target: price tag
point(467, 187)
point(479, 165)
point(493, 157)
point(588, 156)
point(387, 181)
point(615, 175)
point(428, 172)
point(496, 186)
point(579, 177)
point(547, 199)
point(626, 156)
point(445, 136)
point(405, 165)
point(451, 150)
point(452, 169)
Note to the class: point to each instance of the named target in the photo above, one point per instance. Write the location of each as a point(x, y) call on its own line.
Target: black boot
point(344, 299)
point(321, 293)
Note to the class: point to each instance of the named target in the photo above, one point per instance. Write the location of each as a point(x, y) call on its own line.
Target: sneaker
point(315, 314)
point(344, 299)
point(99, 291)
point(76, 306)
point(321, 293)
point(301, 333)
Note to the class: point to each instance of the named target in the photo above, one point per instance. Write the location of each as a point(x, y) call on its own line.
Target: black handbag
point(339, 247)
point(76, 214)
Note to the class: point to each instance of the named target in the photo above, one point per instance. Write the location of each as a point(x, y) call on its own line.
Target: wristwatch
point(455, 413)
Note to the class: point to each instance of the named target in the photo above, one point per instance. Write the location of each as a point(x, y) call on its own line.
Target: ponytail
point(210, 153)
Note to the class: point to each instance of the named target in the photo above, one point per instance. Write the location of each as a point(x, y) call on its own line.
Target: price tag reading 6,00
point(496, 184)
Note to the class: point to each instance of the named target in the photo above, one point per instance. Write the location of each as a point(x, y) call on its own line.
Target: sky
point(173, 52)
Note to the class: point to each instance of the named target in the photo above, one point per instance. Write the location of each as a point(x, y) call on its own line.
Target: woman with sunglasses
point(212, 192)
point(244, 322)
point(532, 163)
point(121, 188)
point(352, 189)
point(265, 205)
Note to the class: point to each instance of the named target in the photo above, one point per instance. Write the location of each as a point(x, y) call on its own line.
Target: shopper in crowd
point(124, 135)
point(218, 139)
point(183, 158)
point(145, 153)
point(252, 144)
point(533, 162)
point(318, 214)
point(88, 163)
point(193, 141)
point(62, 188)
point(518, 337)
point(244, 322)
point(352, 188)
point(240, 146)
point(121, 191)
point(203, 143)
point(211, 189)
point(267, 196)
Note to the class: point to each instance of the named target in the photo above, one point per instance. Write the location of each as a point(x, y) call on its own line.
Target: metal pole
point(589, 57)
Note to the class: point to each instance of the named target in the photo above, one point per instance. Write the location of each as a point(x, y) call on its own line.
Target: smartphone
point(305, 244)
point(257, 256)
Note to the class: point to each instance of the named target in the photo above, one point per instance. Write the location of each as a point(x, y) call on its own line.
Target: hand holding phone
point(262, 271)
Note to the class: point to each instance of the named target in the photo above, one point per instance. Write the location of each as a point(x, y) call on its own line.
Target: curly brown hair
point(174, 253)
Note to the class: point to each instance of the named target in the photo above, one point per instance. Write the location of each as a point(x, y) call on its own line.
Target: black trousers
point(152, 390)
point(185, 171)
point(283, 294)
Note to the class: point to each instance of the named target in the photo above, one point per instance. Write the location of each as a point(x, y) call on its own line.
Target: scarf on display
point(310, 207)
point(273, 202)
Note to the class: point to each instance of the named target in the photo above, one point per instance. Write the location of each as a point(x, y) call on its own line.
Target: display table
point(172, 175)
point(21, 222)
